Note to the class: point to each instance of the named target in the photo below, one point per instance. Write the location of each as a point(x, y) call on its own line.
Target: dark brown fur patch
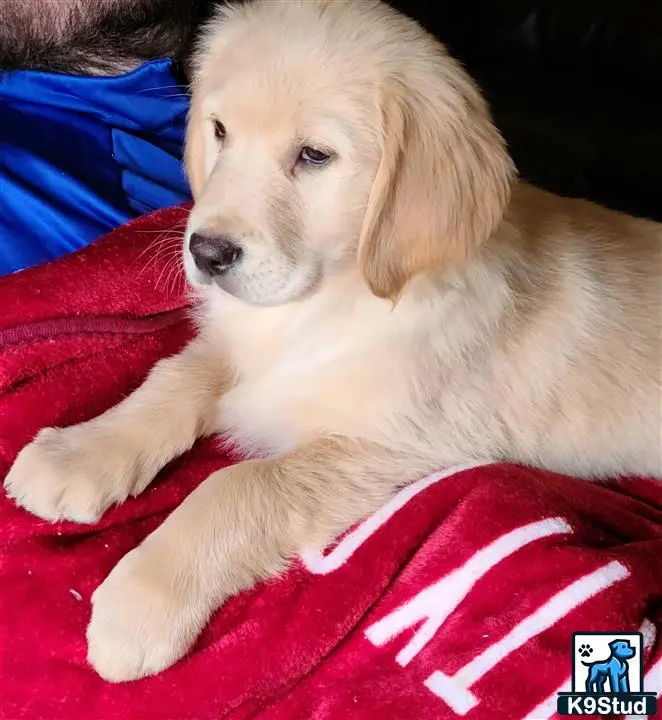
point(103, 37)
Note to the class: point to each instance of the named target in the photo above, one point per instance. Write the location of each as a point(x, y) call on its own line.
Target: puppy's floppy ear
point(206, 56)
point(443, 182)
point(194, 147)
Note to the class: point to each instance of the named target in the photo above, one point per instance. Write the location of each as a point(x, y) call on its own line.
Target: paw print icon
point(585, 650)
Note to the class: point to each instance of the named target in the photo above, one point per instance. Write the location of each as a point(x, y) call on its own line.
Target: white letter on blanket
point(454, 690)
point(319, 564)
point(437, 602)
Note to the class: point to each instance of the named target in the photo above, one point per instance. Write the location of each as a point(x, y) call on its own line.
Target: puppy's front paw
point(140, 623)
point(69, 474)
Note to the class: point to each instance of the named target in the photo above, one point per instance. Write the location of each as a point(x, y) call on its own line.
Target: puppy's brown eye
point(219, 130)
point(312, 156)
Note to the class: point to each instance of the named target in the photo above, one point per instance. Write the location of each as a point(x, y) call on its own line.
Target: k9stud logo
point(607, 676)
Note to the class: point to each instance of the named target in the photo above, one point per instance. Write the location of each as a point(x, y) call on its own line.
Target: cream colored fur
point(409, 306)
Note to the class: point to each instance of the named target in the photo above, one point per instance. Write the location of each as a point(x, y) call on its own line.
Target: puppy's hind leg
point(76, 473)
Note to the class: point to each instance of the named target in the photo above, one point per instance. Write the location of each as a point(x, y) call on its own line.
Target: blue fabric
point(81, 155)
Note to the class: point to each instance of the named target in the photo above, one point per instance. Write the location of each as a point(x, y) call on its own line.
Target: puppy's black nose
point(214, 255)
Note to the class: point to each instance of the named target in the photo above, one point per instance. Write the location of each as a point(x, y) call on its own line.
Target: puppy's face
point(332, 132)
point(287, 165)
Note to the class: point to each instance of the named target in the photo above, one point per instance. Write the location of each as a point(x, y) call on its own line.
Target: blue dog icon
point(615, 667)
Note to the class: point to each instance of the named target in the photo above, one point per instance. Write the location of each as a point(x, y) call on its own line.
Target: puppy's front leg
point(243, 524)
point(77, 472)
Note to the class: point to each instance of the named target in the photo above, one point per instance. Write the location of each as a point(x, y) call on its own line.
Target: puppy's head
point(322, 131)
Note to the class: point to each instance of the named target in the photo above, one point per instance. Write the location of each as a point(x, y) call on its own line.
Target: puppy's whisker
point(165, 239)
point(176, 95)
point(171, 262)
point(162, 258)
point(167, 257)
point(160, 231)
point(158, 280)
point(175, 275)
point(162, 87)
point(152, 263)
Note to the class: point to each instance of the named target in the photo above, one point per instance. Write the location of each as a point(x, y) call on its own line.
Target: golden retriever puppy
point(379, 298)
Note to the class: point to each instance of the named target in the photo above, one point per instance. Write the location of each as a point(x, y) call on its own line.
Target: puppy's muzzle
point(214, 256)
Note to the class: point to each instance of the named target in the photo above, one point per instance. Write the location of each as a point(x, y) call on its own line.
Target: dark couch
point(575, 88)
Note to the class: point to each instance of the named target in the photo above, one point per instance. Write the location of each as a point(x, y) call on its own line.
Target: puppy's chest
point(300, 380)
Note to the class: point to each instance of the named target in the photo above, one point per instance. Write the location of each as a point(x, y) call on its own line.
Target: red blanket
point(458, 599)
